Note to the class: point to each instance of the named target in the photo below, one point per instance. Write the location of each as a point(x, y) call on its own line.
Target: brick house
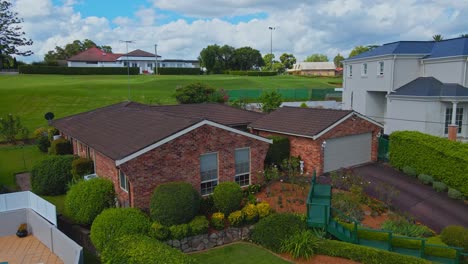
point(325, 139)
point(139, 147)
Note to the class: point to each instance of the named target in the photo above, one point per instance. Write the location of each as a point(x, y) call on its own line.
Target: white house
point(313, 68)
point(411, 85)
point(138, 58)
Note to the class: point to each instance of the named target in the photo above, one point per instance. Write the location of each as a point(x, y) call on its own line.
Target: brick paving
point(25, 250)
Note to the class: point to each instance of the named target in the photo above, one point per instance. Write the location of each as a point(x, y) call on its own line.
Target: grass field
point(239, 253)
point(31, 96)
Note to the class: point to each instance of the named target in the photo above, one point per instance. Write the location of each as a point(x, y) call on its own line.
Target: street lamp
point(128, 66)
point(156, 58)
point(271, 46)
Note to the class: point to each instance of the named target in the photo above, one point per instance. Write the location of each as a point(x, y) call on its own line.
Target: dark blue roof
point(430, 86)
point(432, 49)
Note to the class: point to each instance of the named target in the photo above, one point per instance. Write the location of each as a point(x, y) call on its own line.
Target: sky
point(182, 28)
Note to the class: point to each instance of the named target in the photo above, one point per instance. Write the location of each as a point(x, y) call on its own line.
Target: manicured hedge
point(34, 69)
point(445, 160)
point(253, 73)
point(82, 167)
point(179, 71)
point(61, 146)
point(365, 255)
point(278, 151)
point(50, 176)
point(227, 197)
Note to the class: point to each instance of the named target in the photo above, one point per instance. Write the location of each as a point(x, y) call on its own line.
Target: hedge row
point(253, 73)
point(278, 151)
point(445, 160)
point(179, 71)
point(33, 69)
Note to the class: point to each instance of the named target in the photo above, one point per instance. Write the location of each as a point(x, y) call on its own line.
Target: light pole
point(271, 46)
point(128, 66)
point(156, 58)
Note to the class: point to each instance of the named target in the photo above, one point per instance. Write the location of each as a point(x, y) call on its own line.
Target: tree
point(247, 58)
point(464, 36)
point(269, 60)
point(288, 60)
point(72, 49)
point(11, 127)
point(316, 58)
point(196, 93)
point(338, 60)
point(270, 101)
point(437, 37)
point(358, 50)
point(11, 36)
point(216, 59)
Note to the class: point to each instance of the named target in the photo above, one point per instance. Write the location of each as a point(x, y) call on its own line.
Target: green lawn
point(31, 96)
point(58, 201)
point(242, 253)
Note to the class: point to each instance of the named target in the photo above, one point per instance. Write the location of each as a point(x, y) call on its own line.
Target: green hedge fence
point(35, 69)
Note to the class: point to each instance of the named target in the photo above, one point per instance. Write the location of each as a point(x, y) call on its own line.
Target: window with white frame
point(458, 119)
point(364, 69)
point(242, 160)
point(381, 68)
point(150, 65)
point(123, 182)
point(350, 70)
point(134, 64)
point(208, 172)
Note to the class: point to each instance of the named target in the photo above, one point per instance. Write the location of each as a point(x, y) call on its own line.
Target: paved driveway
point(433, 209)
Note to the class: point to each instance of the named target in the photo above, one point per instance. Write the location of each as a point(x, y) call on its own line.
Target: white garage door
point(347, 151)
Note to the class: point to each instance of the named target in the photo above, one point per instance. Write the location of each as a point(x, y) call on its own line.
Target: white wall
point(406, 70)
point(445, 70)
point(376, 106)
point(99, 64)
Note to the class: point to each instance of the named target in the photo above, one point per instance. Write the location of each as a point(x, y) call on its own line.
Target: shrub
point(439, 186)
point(82, 167)
point(253, 73)
point(271, 173)
point(263, 209)
point(455, 236)
point(43, 143)
point(179, 231)
point(11, 128)
point(33, 69)
point(301, 244)
point(207, 205)
point(250, 212)
point(217, 221)
point(455, 194)
point(195, 93)
point(445, 160)
point(409, 171)
point(278, 151)
point(51, 132)
point(39, 132)
point(236, 218)
point(61, 146)
point(426, 179)
point(174, 203)
point(272, 230)
point(199, 225)
point(140, 249)
point(227, 197)
point(254, 188)
point(158, 231)
point(50, 176)
point(114, 223)
point(179, 71)
point(87, 199)
point(349, 205)
point(270, 100)
point(402, 226)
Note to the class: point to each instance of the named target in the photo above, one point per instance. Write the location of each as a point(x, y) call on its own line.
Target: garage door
point(347, 151)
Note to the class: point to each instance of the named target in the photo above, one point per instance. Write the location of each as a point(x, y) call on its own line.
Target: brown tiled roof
point(139, 53)
point(125, 128)
point(218, 113)
point(299, 121)
point(94, 54)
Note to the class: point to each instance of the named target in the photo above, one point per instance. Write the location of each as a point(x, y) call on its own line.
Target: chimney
point(452, 132)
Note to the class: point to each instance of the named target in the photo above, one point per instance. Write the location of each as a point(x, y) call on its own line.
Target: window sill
point(380, 76)
point(363, 76)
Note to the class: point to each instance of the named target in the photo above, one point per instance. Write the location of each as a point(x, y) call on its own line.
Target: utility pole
point(156, 58)
point(128, 67)
point(271, 46)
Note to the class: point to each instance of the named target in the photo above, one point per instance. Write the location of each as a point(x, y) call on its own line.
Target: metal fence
point(287, 94)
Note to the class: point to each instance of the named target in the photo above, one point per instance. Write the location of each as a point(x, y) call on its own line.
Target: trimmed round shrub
point(455, 194)
point(409, 171)
point(199, 225)
point(61, 146)
point(87, 199)
point(140, 249)
point(179, 231)
point(174, 203)
point(455, 236)
point(263, 209)
point(250, 212)
point(50, 176)
point(426, 179)
point(159, 231)
point(43, 143)
point(439, 186)
point(236, 218)
point(114, 223)
point(270, 231)
point(217, 221)
point(82, 167)
point(227, 197)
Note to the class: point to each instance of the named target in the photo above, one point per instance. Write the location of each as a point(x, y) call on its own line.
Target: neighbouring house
point(139, 147)
point(313, 68)
point(412, 85)
point(145, 61)
point(325, 139)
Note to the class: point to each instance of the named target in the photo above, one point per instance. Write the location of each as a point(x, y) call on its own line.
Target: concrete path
point(427, 206)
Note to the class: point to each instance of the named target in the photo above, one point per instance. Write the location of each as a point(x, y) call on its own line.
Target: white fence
point(22, 200)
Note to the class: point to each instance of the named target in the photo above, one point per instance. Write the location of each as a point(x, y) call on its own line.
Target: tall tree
point(316, 58)
point(437, 37)
point(247, 58)
point(209, 57)
point(11, 36)
point(463, 35)
point(288, 60)
point(358, 50)
point(269, 60)
point(72, 49)
point(338, 60)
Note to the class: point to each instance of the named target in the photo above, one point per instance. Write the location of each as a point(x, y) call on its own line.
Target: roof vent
point(104, 54)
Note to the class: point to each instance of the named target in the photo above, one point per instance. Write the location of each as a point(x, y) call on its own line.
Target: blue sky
point(181, 28)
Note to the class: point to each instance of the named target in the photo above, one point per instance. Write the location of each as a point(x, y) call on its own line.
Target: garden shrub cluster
point(196, 93)
point(446, 161)
point(179, 231)
point(199, 225)
point(50, 176)
point(61, 146)
point(174, 203)
point(227, 197)
point(349, 205)
point(179, 71)
point(252, 73)
point(236, 218)
point(82, 167)
point(301, 244)
point(455, 236)
point(263, 209)
point(278, 151)
point(114, 223)
point(87, 199)
point(439, 186)
point(217, 221)
point(426, 179)
point(140, 249)
point(35, 69)
point(270, 231)
point(158, 231)
point(250, 213)
point(403, 226)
